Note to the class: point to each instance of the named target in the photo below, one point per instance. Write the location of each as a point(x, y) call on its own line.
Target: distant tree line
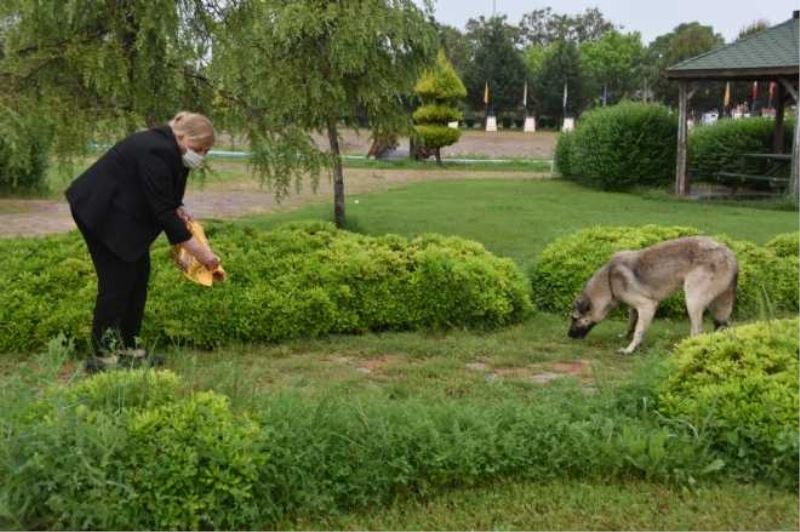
point(597, 60)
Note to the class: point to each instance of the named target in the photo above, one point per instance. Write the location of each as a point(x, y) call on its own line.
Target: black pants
point(121, 295)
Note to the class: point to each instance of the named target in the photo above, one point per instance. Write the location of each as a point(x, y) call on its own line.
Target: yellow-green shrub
point(767, 283)
point(785, 245)
point(298, 280)
point(740, 386)
point(563, 267)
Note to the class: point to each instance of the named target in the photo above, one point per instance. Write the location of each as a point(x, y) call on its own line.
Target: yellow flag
point(486, 94)
point(191, 267)
point(727, 100)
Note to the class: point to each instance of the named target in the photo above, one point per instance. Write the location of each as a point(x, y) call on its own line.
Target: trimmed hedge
point(739, 387)
point(435, 136)
point(436, 113)
point(300, 280)
point(562, 154)
point(719, 147)
point(622, 146)
point(563, 267)
point(785, 245)
point(767, 282)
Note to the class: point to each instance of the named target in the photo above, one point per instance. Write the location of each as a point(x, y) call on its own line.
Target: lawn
point(527, 362)
point(517, 218)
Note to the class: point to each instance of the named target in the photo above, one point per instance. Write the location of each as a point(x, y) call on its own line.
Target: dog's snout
point(579, 331)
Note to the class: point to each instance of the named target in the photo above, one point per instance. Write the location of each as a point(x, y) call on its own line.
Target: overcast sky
point(650, 18)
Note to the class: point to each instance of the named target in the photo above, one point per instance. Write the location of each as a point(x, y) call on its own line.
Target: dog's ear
point(583, 304)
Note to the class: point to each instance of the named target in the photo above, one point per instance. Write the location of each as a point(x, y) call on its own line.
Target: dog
point(706, 269)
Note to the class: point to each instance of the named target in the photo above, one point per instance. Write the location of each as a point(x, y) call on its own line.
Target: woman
point(120, 205)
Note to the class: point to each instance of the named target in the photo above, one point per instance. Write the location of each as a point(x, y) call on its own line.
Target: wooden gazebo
point(772, 55)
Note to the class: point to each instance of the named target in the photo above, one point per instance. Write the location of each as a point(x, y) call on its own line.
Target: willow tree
point(95, 67)
point(294, 68)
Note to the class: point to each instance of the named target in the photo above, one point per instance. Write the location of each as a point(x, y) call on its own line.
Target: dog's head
point(582, 318)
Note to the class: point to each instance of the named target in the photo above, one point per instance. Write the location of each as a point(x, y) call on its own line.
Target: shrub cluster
point(739, 387)
point(298, 280)
point(115, 452)
point(719, 147)
point(125, 450)
point(785, 245)
point(562, 154)
point(621, 146)
point(767, 282)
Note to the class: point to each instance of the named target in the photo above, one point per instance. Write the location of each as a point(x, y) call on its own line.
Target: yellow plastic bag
point(190, 266)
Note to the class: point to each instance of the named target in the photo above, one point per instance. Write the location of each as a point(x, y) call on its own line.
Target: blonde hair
point(194, 127)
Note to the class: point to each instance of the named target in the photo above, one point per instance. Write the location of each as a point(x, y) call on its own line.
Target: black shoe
point(155, 361)
point(131, 358)
point(94, 365)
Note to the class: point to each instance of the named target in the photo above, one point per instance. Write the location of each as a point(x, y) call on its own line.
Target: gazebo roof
point(769, 54)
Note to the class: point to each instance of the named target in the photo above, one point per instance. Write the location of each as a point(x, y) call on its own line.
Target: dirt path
point(234, 199)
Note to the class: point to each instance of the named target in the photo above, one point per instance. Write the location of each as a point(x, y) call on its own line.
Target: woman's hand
point(202, 253)
point(184, 215)
point(210, 261)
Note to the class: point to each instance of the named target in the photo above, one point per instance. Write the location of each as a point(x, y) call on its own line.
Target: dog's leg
point(722, 307)
point(633, 316)
point(696, 286)
point(645, 312)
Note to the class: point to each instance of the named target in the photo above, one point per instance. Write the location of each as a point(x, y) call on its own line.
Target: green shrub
point(739, 386)
point(433, 136)
point(185, 461)
point(168, 462)
point(625, 145)
point(301, 280)
point(562, 154)
point(436, 114)
point(24, 147)
point(767, 283)
point(719, 147)
point(785, 245)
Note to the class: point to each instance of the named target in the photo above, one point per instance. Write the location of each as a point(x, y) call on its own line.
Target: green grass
point(514, 218)
point(576, 505)
point(510, 165)
point(517, 218)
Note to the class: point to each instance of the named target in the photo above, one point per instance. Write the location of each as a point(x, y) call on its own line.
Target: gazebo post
point(777, 137)
point(681, 179)
point(794, 176)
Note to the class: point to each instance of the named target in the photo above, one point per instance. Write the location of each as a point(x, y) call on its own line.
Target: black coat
point(129, 195)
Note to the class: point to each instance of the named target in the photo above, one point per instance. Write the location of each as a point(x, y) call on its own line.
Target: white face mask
point(192, 159)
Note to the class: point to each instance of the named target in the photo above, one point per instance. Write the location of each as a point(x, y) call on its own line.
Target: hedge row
point(298, 280)
point(768, 281)
point(634, 144)
point(719, 147)
point(739, 387)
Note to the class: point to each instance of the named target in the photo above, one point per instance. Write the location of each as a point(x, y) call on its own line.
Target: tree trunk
point(438, 155)
point(338, 176)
